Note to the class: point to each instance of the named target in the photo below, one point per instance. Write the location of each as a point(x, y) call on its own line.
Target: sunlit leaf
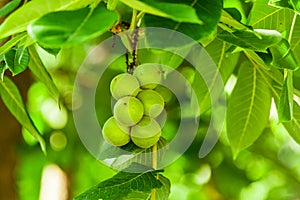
point(14, 102)
point(123, 184)
point(258, 40)
point(285, 105)
point(267, 17)
point(86, 24)
point(166, 10)
point(248, 109)
point(295, 40)
point(258, 59)
point(19, 20)
point(38, 69)
point(12, 42)
point(171, 59)
point(280, 19)
point(292, 126)
point(228, 19)
point(208, 11)
point(225, 63)
point(112, 4)
point(291, 4)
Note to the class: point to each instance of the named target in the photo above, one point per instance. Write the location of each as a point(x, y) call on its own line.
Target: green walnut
point(152, 101)
point(124, 85)
point(149, 75)
point(114, 133)
point(166, 94)
point(128, 111)
point(146, 133)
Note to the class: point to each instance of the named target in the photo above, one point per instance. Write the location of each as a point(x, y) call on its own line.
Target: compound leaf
point(125, 184)
point(248, 109)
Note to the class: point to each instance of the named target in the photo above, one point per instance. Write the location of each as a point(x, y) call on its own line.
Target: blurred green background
point(270, 169)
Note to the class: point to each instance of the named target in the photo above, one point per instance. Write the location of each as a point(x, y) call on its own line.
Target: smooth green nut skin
point(124, 85)
point(166, 94)
point(114, 133)
point(128, 111)
point(149, 75)
point(146, 133)
point(152, 101)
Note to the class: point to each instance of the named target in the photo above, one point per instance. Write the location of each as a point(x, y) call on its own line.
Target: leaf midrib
point(126, 182)
point(245, 128)
point(216, 74)
point(13, 97)
point(266, 16)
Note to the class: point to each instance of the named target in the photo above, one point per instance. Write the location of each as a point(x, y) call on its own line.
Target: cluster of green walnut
point(138, 104)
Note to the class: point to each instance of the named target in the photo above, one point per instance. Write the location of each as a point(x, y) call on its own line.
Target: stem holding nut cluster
point(154, 166)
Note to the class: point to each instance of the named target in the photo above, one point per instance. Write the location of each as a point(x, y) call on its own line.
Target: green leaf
point(285, 105)
point(135, 154)
point(226, 18)
point(112, 4)
point(12, 42)
point(3, 67)
point(19, 20)
point(9, 58)
point(234, 13)
point(123, 184)
point(295, 40)
point(163, 192)
point(208, 11)
point(17, 60)
point(248, 109)
point(137, 195)
point(53, 52)
point(258, 40)
point(265, 57)
point(166, 10)
point(164, 57)
point(225, 63)
point(256, 57)
point(21, 60)
point(283, 56)
point(267, 17)
point(38, 69)
point(292, 126)
point(14, 102)
point(86, 24)
point(291, 4)
point(10, 6)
